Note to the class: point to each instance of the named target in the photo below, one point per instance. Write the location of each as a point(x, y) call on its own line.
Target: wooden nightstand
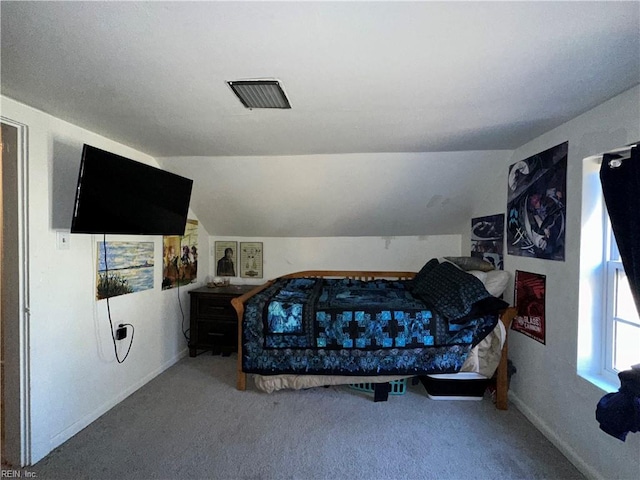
point(214, 323)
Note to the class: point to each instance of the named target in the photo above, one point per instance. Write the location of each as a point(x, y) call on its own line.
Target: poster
point(226, 254)
point(251, 259)
point(530, 303)
point(487, 239)
point(536, 205)
point(126, 268)
point(180, 257)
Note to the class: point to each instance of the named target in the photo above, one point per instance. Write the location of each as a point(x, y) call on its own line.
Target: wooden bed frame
point(506, 317)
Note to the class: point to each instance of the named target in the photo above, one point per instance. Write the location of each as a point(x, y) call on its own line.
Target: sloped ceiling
point(381, 80)
point(382, 194)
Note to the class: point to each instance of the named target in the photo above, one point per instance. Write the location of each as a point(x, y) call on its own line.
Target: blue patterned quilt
point(352, 327)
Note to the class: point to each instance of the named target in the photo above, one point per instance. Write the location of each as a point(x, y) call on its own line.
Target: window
point(608, 329)
point(622, 322)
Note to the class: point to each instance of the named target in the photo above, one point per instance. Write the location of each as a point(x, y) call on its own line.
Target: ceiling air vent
point(260, 93)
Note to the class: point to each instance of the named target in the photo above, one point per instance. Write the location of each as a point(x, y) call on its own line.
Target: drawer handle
point(214, 334)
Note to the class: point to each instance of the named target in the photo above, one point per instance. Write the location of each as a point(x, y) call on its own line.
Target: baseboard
point(559, 443)
point(69, 432)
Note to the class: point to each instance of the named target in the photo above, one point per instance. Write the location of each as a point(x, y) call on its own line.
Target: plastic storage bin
point(455, 386)
point(398, 387)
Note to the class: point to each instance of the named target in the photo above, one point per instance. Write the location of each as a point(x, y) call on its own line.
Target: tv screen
point(121, 196)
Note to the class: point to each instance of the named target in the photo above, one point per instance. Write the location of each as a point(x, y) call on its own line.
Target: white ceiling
point(362, 77)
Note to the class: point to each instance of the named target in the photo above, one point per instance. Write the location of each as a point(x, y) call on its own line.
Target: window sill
point(606, 383)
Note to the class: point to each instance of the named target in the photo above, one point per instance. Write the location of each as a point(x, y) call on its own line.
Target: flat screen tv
point(117, 195)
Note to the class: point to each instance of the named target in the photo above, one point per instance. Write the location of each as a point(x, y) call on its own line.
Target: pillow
point(480, 275)
point(454, 293)
point(471, 263)
point(496, 282)
point(419, 279)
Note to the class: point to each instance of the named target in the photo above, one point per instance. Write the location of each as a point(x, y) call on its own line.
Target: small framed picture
point(225, 258)
point(251, 259)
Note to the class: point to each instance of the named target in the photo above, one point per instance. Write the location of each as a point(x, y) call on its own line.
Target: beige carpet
point(191, 423)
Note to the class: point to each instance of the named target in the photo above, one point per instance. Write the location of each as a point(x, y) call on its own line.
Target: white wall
point(546, 386)
point(74, 375)
point(288, 255)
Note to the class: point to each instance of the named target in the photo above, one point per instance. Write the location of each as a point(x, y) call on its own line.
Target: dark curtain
point(621, 188)
point(619, 413)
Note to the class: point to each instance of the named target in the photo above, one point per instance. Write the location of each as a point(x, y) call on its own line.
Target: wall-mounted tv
point(117, 195)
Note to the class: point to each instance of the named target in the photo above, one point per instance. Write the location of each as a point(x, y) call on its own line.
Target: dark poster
point(530, 303)
point(487, 239)
point(536, 205)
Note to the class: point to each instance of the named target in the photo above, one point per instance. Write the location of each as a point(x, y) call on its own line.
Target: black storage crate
point(455, 386)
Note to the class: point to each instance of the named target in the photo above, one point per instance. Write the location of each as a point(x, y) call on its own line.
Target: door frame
point(19, 449)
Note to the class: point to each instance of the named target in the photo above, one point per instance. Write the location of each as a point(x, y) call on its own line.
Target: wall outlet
point(121, 333)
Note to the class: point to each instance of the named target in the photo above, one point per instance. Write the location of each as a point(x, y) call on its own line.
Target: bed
point(315, 328)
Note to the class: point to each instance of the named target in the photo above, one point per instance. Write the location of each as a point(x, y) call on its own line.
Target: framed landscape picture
point(251, 259)
point(124, 267)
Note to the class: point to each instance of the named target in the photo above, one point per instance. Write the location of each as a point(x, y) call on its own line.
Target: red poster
point(530, 302)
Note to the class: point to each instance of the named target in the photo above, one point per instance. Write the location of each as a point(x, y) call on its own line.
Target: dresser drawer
point(214, 322)
point(216, 307)
point(221, 334)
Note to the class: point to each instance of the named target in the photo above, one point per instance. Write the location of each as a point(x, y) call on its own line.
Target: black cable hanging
point(113, 336)
point(186, 333)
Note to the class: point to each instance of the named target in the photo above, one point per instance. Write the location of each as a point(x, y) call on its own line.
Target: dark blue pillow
point(457, 295)
point(419, 280)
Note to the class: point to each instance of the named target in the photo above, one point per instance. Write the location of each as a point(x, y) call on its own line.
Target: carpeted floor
point(191, 423)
